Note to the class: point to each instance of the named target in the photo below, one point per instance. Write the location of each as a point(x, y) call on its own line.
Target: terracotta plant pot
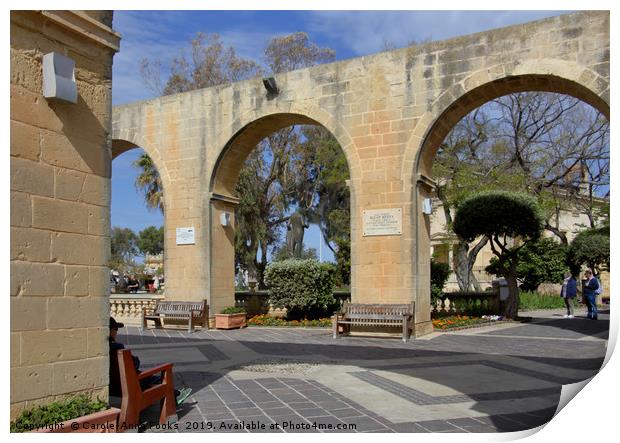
point(98, 422)
point(230, 321)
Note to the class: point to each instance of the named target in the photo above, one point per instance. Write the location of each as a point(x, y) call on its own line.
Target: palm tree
point(149, 182)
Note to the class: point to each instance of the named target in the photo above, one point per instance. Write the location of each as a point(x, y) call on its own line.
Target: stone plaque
point(185, 236)
point(382, 222)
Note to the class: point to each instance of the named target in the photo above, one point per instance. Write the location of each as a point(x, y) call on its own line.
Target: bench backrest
point(376, 311)
point(171, 307)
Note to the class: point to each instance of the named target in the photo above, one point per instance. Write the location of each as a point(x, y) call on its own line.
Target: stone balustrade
point(127, 308)
point(467, 303)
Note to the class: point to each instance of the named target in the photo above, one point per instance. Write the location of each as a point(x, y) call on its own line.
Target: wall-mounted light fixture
point(271, 85)
point(225, 219)
point(59, 77)
point(427, 206)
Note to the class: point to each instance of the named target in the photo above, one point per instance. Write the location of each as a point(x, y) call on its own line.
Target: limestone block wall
point(388, 111)
point(60, 209)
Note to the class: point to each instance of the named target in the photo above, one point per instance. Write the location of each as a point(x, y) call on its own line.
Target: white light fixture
point(59, 77)
point(225, 219)
point(427, 206)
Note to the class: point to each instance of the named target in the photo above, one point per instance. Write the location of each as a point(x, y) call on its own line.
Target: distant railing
point(467, 303)
point(127, 308)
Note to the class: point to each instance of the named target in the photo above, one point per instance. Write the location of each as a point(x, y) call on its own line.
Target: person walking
point(590, 286)
point(568, 293)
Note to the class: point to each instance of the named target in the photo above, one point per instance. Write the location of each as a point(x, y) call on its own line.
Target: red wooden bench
point(135, 399)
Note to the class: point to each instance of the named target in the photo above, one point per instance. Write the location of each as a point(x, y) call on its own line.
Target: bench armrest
point(155, 370)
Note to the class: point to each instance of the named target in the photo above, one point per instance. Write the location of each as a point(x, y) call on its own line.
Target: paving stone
point(541, 366)
point(436, 425)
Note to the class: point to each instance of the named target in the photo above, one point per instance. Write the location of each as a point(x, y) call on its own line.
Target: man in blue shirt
point(590, 286)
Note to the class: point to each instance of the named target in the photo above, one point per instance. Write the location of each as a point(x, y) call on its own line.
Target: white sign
point(185, 236)
point(382, 222)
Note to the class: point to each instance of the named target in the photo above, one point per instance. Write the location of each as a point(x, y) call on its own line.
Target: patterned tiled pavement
point(493, 379)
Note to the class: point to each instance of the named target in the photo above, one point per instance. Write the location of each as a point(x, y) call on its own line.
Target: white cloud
point(364, 32)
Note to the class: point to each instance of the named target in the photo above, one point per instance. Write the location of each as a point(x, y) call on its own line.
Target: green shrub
point(529, 301)
point(440, 272)
point(540, 262)
point(590, 248)
point(304, 287)
point(56, 412)
point(233, 310)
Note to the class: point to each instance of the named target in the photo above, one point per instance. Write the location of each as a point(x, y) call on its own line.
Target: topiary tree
point(506, 219)
point(303, 287)
point(440, 272)
point(590, 248)
point(539, 262)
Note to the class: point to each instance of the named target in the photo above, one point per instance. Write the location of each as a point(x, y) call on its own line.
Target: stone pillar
point(222, 260)
point(424, 189)
point(60, 209)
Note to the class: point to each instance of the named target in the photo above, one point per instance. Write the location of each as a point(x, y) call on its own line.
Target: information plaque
point(382, 222)
point(185, 236)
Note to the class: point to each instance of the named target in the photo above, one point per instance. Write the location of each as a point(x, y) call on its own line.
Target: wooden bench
point(134, 399)
point(358, 314)
point(195, 313)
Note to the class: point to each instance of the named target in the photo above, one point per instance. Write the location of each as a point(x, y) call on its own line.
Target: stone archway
point(455, 104)
point(222, 199)
point(389, 111)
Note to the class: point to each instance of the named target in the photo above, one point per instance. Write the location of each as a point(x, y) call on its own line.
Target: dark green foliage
point(590, 248)
point(282, 253)
point(439, 276)
point(151, 240)
point(529, 301)
point(304, 287)
point(233, 310)
point(541, 262)
point(343, 261)
point(56, 412)
point(124, 247)
point(502, 217)
point(498, 213)
point(149, 182)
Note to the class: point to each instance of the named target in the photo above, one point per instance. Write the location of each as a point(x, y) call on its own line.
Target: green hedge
point(57, 412)
point(529, 301)
point(304, 287)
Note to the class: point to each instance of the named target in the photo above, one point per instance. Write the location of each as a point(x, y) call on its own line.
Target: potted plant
point(79, 414)
point(231, 318)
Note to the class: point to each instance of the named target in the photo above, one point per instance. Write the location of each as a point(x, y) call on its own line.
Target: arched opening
point(545, 155)
point(285, 157)
point(137, 230)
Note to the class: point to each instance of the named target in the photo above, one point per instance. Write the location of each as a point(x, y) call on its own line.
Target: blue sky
point(165, 34)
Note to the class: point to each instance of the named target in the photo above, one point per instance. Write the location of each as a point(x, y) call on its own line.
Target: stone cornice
point(86, 26)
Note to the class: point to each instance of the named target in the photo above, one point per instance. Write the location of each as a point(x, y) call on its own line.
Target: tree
point(321, 190)
point(549, 145)
point(504, 218)
point(149, 182)
point(124, 246)
point(590, 248)
point(210, 64)
point(440, 272)
point(282, 253)
point(269, 183)
point(541, 262)
point(151, 240)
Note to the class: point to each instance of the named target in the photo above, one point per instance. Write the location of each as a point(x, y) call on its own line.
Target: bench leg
point(405, 330)
point(190, 325)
